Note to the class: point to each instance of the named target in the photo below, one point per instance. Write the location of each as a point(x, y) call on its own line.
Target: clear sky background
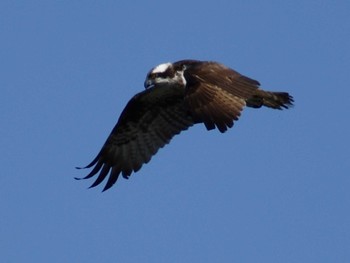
point(275, 188)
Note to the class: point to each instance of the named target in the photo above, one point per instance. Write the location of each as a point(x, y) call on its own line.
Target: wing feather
point(102, 175)
point(115, 172)
point(148, 122)
point(216, 94)
point(236, 84)
point(214, 106)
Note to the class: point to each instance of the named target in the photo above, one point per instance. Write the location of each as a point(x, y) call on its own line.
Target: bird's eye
point(159, 75)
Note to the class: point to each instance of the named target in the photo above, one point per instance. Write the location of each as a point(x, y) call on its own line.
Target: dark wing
point(148, 122)
point(216, 94)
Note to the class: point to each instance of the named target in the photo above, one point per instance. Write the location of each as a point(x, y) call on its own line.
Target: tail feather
point(275, 100)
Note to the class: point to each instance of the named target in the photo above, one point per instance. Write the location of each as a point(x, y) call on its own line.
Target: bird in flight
point(177, 96)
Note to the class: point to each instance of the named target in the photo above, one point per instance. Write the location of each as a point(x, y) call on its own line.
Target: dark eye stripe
point(161, 75)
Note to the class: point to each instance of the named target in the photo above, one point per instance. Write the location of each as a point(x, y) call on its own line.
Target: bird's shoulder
point(151, 100)
point(198, 72)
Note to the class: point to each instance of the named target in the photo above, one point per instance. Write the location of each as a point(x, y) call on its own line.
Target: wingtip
point(107, 186)
point(93, 186)
point(105, 189)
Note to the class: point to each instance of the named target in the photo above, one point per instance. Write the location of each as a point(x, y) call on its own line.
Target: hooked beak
point(148, 83)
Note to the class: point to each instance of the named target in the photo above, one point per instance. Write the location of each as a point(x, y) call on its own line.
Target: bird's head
point(165, 74)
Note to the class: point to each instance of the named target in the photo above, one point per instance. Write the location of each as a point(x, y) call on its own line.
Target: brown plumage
point(177, 96)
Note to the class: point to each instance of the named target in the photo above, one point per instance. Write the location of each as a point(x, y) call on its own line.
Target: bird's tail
point(275, 100)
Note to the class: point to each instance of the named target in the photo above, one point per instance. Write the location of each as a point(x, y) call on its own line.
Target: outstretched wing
point(148, 122)
point(216, 94)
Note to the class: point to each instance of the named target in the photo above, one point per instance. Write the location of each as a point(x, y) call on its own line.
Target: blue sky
point(275, 188)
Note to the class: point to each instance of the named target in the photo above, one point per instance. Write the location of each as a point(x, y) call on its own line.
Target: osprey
point(177, 96)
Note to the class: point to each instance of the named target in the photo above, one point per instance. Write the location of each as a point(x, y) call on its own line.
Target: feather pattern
point(177, 96)
point(148, 122)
